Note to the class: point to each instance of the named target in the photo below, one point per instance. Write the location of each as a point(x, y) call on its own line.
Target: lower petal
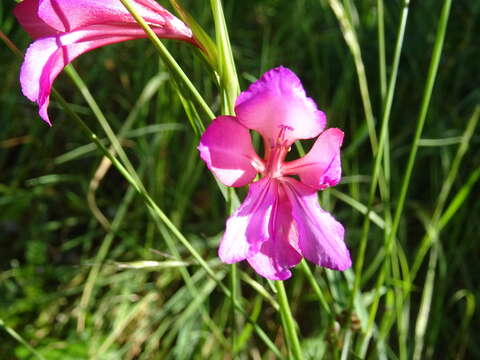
point(46, 58)
point(320, 236)
point(278, 254)
point(273, 262)
point(248, 227)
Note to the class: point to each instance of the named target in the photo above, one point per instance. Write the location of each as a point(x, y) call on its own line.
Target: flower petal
point(274, 260)
point(69, 15)
point(42, 18)
point(46, 58)
point(248, 227)
point(226, 147)
point(27, 15)
point(278, 253)
point(320, 235)
point(321, 167)
point(277, 100)
point(68, 28)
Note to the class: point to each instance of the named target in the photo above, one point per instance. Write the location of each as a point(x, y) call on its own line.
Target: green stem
point(230, 89)
point(226, 63)
point(289, 328)
point(233, 290)
point(168, 59)
point(316, 288)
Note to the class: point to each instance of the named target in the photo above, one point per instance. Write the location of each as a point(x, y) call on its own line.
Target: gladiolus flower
point(280, 221)
point(65, 29)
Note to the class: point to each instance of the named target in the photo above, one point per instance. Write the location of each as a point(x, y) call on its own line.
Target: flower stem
point(288, 321)
point(316, 288)
point(230, 88)
point(226, 64)
point(234, 292)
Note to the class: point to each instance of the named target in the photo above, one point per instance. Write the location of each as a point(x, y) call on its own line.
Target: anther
point(281, 135)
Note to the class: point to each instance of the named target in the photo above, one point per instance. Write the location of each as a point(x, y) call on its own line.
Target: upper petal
point(226, 147)
point(27, 15)
point(248, 227)
point(320, 167)
point(277, 100)
point(69, 15)
point(278, 253)
point(320, 235)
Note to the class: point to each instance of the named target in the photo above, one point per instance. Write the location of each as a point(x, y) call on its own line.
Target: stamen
point(278, 150)
point(281, 135)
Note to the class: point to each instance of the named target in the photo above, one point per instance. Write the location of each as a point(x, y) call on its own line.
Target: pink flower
point(280, 220)
point(65, 29)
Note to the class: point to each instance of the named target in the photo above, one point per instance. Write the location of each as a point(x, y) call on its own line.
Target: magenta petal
point(320, 235)
point(68, 28)
point(248, 227)
point(36, 73)
point(321, 167)
point(278, 253)
point(70, 15)
point(274, 260)
point(277, 100)
point(226, 147)
point(47, 57)
point(27, 15)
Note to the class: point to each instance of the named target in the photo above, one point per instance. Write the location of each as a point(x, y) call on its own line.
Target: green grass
point(119, 261)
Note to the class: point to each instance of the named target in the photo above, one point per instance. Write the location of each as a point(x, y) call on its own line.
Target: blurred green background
point(49, 236)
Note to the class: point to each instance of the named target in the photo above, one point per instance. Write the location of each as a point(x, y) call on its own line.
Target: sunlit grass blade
point(440, 218)
point(351, 39)
point(172, 65)
point(226, 64)
point(379, 155)
point(433, 68)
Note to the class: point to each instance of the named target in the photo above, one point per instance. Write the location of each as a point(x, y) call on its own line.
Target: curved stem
point(173, 66)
